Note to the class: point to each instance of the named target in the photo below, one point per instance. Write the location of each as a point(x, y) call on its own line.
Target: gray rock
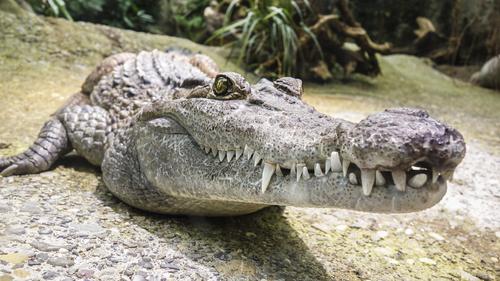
point(49, 275)
point(44, 231)
point(15, 230)
point(84, 273)
point(31, 207)
point(4, 208)
point(172, 267)
point(464, 275)
point(46, 247)
point(63, 261)
point(87, 229)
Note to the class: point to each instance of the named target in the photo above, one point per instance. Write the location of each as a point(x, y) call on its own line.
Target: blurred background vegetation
point(312, 39)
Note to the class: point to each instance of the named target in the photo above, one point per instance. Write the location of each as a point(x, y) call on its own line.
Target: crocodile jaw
point(200, 175)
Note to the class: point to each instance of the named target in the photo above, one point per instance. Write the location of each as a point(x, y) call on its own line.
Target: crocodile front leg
point(88, 129)
point(51, 144)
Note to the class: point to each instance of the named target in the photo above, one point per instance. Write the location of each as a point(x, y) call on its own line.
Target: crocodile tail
point(51, 144)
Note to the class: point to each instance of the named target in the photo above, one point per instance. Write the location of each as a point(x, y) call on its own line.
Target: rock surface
point(64, 225)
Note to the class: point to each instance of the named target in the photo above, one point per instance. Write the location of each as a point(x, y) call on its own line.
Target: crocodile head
point(229, 141)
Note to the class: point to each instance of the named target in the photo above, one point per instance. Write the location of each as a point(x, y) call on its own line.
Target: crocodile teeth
point(379, 179)
point(417, 181)
point(299, 171)
point(278, 171)
point(267, 173)
point(317, 170)
point(248, 152)
point(335, 159)
point(214, 152)
point(328, 164)
point(222, 154)
point(345, 166)
point(435, 175)
point(293, 171)
point(367, 180)
point(239, 152)
point(230, 155)
point(207, 150)
point(305, 173)
point(399, 177)
point(353, 179)
point(256, 159)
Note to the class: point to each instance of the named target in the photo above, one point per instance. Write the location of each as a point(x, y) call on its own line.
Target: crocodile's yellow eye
point(221, 86)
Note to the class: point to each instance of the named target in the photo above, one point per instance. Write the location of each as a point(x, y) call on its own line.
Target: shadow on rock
point(255, 246)
point(77, 163)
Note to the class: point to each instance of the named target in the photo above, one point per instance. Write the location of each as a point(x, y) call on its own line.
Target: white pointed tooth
point(267, 173)
point(328, 164)
point(207, 150)
point(278, 171)
point(230, 155)
point(345, 166)
point(335, 159)
point(379, 179)
point(399, 177)
point(222, 154)
point(305, 173)
point(256, 159)
point(317, 170)
point(239, 152)
point(353, 179)
point(214, 152)
point(299, 171)
point(435, 176)
point(367, 180)
point(248, 152)
point(293, 171)
point(418, 180)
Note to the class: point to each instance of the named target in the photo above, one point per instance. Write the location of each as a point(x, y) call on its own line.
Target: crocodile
point(174, 135)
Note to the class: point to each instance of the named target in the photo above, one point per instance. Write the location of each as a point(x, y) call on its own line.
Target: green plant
point(267, 37)
point(120, 13)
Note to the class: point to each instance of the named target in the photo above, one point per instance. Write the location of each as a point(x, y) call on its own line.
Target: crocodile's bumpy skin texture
point(88, 128)
point(142, 80)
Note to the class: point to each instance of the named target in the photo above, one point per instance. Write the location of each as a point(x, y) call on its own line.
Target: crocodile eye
point(221, 86)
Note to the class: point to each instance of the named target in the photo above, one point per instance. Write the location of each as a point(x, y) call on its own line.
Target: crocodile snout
point(406, 145)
